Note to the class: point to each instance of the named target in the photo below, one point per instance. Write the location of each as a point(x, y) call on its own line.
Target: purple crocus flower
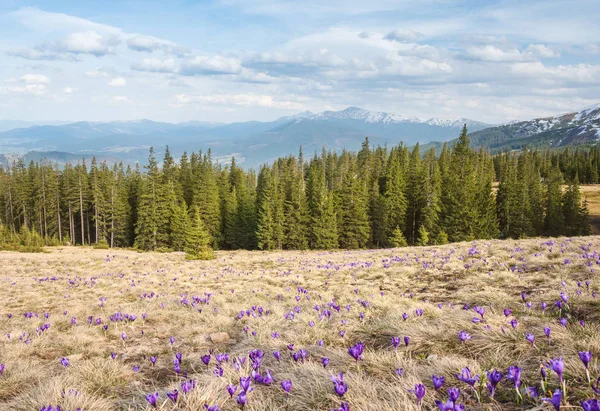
point(531, 338)
point(507, 312)
point(419, 392)
point(339, 385)
point(286, 385)
point(464, 336)
point(404, 316)
point(172, 340)
point(245, 383)
point(242, 399)
point(585, 357)
point(467, 378)
point(590, 405)
point(324, 361)
point(231, 389)
point(65, 362)
point(206, 359)
point(1, 368)
point(453, 394)
point(514, 323)
point(438, 381)
point(514, 375)
point(356, 351)
point(558, 366)
point(532, 392)
point(494, 377)
point(563, 322)
point(406, 340)
point(152, 398)
point(153, 360)
point(173, 395)
point(547, 331)
point(211, 407)
point(555, 400)
point(277, 355)
point(395, 342)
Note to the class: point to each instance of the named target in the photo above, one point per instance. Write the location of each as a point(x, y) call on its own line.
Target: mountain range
point(254, 142)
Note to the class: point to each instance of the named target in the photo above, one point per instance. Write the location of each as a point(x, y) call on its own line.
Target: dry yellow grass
point(69, 283)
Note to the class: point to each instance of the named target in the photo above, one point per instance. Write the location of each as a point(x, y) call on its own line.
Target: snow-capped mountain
point(579, 127)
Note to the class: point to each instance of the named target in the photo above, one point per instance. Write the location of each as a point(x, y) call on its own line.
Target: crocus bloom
point(590, 405)
point(547, 331)
point(514, 374)
point(585, 357)
point(286, 385)
point(277, 355)
point(65, 362)
point(356, 351)
point(419, 392)
point(395, 342)
point(406, 340)
point(339, 385)
point(558, 366)
point(453, 394)
point(211, 407)
point(173, 395)
point(507, 312)
point(1, 368)
point(531, 338)
point(152, 398)
point(514, 323)
point(241, 399)
point(231, 389)
point(467, 378)
point(438, 381)
point(245, 383)
point(494, 377)
point(464, 336)
point(324, 361)
point(555, 400)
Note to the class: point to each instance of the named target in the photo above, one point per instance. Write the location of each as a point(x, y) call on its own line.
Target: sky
point(240, 60)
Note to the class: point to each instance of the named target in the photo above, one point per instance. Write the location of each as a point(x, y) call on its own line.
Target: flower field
point(487, 325)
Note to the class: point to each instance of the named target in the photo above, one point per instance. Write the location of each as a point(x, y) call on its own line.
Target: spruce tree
point(197, 244)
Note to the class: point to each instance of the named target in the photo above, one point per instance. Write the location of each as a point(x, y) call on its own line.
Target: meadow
point(485, 325)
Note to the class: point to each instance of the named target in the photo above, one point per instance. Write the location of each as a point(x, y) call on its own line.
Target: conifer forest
point(379, 197)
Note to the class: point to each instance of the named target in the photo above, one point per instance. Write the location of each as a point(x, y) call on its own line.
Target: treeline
point(378, 197)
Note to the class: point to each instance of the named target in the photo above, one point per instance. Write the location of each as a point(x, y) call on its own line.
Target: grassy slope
point(240, 280)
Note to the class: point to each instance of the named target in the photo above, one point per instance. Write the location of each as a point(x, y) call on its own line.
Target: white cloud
point(68, 90)
point(495, 54)
point(155, 65)
point(35, 79)
point(96, 73)
point(562, 74)
point(150, 44)
point(30, 89)
point(542, 51)
point(88, 42)
point(117, 82)
point(204, 65)
point(238, 100)
point(403, 35)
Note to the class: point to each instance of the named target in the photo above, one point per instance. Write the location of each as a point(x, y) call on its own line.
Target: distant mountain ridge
point(252, 142)
point(575, 128)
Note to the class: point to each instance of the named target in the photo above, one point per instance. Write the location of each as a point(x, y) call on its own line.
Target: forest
point(377, 197)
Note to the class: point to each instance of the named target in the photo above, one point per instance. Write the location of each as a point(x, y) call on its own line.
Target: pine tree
point(197, 244)
point(554, 224)
point(323, 227)
point(394, 194)
point(180, 222)
point(354, 228)
point(459, 207)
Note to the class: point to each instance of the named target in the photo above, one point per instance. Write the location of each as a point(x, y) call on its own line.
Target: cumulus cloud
point(205, 65)
point(542, 51)
point(96, 73)
point(68, 90)
point(150, 44)
point(250, 100)
point(403, 35)
point(495, 54)
point(35, 79)
point(155, 65)
point(117, 82)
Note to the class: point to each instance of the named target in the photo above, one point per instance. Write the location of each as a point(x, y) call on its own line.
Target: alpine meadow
point(299, 205)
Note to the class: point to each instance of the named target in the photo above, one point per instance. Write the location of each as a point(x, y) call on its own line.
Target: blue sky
point(237, 60)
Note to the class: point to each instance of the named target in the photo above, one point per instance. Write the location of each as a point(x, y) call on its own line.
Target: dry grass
point(438, 280)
